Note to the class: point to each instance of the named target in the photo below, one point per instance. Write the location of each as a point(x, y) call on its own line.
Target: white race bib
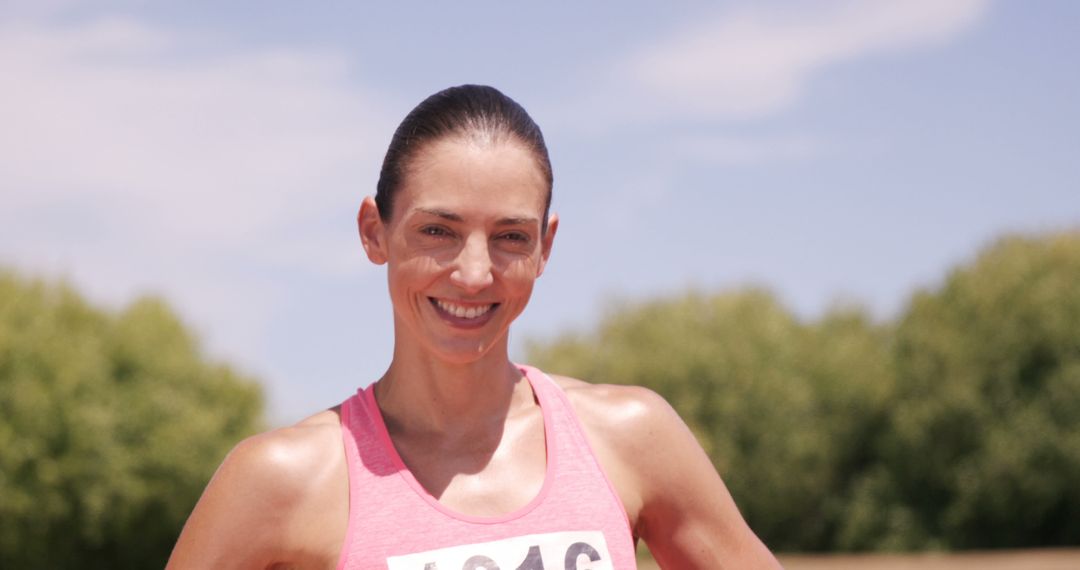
point(585, 550)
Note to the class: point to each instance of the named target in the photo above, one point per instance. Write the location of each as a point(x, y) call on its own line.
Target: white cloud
point(753, 62)
point(222, 147)
point(133, 159)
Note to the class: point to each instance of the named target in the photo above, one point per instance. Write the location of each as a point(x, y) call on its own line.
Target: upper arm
point(688, 517)
point(274, 498)
point(676, 500)
point(229, 526)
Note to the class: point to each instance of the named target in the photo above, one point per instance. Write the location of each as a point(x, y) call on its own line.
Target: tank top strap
point(570, 441)
point(576, 459)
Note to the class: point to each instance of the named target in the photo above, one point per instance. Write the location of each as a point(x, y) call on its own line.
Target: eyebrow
point(524, 221)
point(508, 221)
point(444, 214)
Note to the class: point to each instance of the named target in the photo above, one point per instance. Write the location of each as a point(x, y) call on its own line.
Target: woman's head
point(475, 113)
point(461, 221)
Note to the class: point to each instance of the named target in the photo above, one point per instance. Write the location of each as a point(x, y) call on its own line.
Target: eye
point(435, 231)
point(515, 237)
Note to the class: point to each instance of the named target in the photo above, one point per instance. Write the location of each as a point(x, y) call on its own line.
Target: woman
point(456, 457)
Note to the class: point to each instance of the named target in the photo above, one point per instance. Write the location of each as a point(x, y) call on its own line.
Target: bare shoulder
point(626, 425)
point(269, 493)
point(638, 436)
point(281, 461)
point(626, 416)
point(300, 447)
point(673, 496)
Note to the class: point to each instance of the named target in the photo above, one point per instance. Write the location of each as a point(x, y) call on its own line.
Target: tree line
point(954, 425)
point(111, 424)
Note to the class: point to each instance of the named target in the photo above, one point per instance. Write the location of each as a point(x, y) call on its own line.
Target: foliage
point(989, 400)
point(110, 426)
point(766, 395)
point(958, 426)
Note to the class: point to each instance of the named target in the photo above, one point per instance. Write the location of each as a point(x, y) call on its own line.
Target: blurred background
point(842, 238)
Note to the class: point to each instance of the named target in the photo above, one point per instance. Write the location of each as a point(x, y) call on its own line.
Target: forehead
point(478, 178)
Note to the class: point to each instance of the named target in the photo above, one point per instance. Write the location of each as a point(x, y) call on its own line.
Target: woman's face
point(463, 244)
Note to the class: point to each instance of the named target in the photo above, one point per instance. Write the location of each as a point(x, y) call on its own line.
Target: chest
point(530, 494)
point(485, 475)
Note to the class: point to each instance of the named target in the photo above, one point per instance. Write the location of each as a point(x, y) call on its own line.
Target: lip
point(464, 322)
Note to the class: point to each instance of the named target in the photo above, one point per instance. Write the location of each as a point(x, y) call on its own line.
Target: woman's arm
point(688, 518)
point(278, 498)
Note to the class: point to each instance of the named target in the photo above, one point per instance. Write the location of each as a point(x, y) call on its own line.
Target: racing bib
point(585, 550)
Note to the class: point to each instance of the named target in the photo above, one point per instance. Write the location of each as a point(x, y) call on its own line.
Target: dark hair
point(470, 111)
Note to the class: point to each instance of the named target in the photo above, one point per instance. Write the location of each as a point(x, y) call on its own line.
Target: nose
point(472, 271)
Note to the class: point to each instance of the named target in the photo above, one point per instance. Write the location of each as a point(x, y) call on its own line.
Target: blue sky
point(216, 153)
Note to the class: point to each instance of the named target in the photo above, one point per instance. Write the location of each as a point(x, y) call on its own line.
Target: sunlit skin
point(466, 229)
point(465, 236)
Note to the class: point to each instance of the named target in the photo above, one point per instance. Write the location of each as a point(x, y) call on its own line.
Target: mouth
point(463, 315)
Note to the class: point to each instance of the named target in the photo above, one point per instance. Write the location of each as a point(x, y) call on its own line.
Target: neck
point(422, 393)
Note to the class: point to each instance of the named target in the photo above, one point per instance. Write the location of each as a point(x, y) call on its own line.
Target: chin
point(463, 355)
point(463, 350)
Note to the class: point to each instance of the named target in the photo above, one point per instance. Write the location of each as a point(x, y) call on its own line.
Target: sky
point(215, 154)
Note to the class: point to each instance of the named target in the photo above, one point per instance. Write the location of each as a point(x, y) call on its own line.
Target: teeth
point(463, 312)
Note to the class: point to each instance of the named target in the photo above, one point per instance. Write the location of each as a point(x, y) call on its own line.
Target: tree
point(786, 410)
point(110, 426)
point(956, 427)
point(983, 446)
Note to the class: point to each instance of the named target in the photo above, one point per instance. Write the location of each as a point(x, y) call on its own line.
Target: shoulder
point(635, 434)
point(284, 459)
point(626, 416)
point(628, 410)
point(673, 496)
point(267, 496)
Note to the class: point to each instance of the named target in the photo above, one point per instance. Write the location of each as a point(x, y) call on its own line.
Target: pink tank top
point(576, 522)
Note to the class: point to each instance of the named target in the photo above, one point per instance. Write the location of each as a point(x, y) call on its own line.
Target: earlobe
point(372, 234)
point(547, 242)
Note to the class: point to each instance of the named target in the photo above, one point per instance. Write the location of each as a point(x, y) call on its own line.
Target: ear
point(547, 242)
point(372, 231)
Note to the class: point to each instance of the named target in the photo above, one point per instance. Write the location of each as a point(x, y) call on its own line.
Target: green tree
point(983, 445)
point(956, 427)
point(110, 426)
point(786, 410)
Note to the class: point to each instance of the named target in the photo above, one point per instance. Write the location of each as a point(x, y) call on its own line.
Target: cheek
point(520, 273)
point(412, 273)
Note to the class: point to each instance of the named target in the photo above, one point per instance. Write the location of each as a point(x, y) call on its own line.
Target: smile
point(462, 311)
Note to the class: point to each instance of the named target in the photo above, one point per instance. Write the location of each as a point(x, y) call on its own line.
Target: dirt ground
point(1065, 559)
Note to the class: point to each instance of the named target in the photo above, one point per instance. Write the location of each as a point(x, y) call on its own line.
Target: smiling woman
point(463, 245)
point(456, 457)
